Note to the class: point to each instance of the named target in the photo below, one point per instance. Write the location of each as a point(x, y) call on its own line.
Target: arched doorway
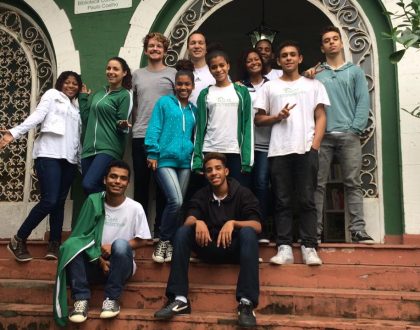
point(27, 67)
point(228, 22)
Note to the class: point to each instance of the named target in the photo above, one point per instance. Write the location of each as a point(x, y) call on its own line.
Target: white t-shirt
point(274, 74)
point(125, 221)
point(294, 134)
point(222, 124)
point(202, 79)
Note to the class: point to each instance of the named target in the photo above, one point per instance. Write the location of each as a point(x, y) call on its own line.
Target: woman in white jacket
point(56, 153)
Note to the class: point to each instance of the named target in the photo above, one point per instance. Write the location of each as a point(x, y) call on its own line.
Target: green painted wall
point(98, 36)
point(391, 144)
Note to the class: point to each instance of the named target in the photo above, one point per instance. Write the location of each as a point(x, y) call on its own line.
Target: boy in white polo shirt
point(294, 106)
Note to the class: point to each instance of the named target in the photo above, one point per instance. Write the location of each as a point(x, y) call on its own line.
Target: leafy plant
point(407, 33)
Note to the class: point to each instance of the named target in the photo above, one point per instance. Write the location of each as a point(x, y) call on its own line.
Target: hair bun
point(184, 65)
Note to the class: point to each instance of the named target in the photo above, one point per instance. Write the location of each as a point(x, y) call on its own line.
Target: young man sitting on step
point(222, 226)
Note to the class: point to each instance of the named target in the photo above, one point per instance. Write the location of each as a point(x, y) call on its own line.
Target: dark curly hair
point(127, 80)
point(185, 68)
point(243, 72)
point(63, 77)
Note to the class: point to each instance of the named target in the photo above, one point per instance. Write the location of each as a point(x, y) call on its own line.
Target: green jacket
point(86, 237)
point(101, 114)
point(245, 129)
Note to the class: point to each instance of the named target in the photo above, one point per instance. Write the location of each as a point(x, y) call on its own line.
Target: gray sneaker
point(110, 308)
point(17, 247)
point(361, 236)
point(79, 313)
point(52, 251)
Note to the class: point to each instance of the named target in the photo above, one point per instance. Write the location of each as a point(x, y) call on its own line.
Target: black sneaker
point(246, 315)
point(361, 237)
point(79, 313)
point(172, 308)
point(52, 251)
point(110, 308)
point(17, 247)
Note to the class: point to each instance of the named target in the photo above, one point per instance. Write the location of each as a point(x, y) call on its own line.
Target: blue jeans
point(93, 170)
point(55, 177)
point(173, 183)
point(81, 272)
point(348, 151)
point(243, 250)
point(295, 175)
point(261, 180)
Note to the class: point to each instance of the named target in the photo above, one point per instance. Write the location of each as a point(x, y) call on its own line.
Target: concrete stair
point(357, 287)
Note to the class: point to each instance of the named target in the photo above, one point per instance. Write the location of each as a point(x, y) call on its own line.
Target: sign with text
point(90, 6)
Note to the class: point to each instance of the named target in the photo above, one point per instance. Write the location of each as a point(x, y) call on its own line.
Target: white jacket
point(60, 127)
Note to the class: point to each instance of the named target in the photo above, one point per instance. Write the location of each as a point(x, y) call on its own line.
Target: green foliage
point(408, 32)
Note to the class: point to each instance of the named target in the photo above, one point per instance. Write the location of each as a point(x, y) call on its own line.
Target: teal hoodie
point(101, 114)
point(170, 132)
point(347, 89)
point(86, 237)
point(245, 129)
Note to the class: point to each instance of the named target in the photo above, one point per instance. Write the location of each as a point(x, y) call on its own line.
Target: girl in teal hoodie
point(105, 122)
point(169, 148)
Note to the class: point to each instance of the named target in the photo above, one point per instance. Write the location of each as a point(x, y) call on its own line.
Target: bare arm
point(262, 119)
point(135, 243)
point(320, 125)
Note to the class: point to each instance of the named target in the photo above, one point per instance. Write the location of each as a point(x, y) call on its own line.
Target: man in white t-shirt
point(124, 226)
point(197, 50)
point(294, 106)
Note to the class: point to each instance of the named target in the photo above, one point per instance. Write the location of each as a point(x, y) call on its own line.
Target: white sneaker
point(284, 255)
point(310, 257)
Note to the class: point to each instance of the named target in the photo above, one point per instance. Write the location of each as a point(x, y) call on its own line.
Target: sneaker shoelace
point(161, 247)
point(80, 306)
point(21, 247)
point(108, 304)
point(246, 308)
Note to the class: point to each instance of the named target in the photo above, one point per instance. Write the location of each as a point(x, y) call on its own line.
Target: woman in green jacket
point(105, 121)
point(224, 121)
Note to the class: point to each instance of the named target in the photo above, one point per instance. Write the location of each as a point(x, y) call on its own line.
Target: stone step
point(330, 253)
point(371, 304)
point(391, 278)
point(26, 316)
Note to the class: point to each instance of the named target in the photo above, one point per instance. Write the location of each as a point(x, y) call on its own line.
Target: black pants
point(295, 176)
point(142, 175)
point(243, 250)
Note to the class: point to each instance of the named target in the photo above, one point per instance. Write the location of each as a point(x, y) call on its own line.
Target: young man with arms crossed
point(149, 84)
point(223, 220)
point(294, 106)
point(101, 248)
point(347, 117)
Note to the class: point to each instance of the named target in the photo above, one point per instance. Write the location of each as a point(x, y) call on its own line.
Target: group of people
point(273, 133)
